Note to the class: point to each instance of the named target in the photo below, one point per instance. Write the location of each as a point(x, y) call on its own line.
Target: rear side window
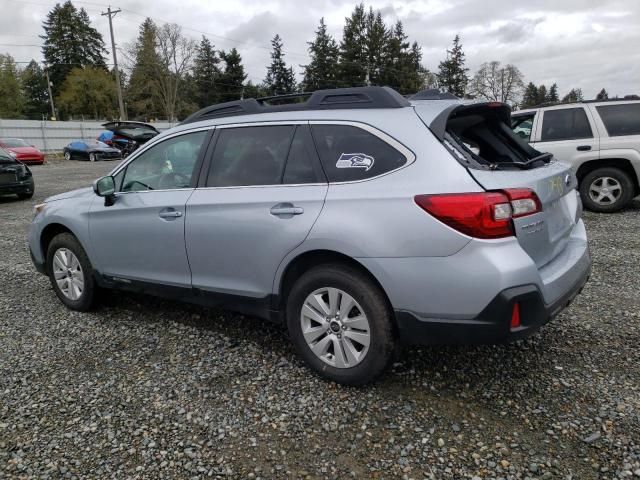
point(621, 119)
point(522, 125)
point(565, 124)
point(247, 156)
point(350, 153)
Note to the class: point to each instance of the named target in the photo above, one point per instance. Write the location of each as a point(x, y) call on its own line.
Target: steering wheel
point(173, 180)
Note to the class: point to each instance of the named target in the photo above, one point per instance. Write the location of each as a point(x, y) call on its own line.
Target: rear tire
point(71, 273)
point(606, 190)
point(355, 346)
point(92, 157)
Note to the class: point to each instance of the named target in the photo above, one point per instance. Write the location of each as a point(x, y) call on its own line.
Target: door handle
point(286, 209)
point(169, 214)
point(584, 148)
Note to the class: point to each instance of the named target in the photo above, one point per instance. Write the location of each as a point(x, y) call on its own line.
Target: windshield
point(14, 142)
point(5, 156)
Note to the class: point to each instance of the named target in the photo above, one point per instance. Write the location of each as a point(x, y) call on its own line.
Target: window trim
point(197, 169)
point(589, 123)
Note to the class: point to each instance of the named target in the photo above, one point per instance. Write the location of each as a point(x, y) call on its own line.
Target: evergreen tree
point(376, 40)
point(280, 79)
point(11, 100)
point(34, 87)
point(602, 95)
point(321, 72)
point(403, 70)
point(553, 94)
point(205, 73)
point(452, 74)
point(575, 95)
point(250, 90)
point(70, 41)
point(530, 97)
point(230, 86)
point(352, 68)
point(143, 100)
point(542, 95)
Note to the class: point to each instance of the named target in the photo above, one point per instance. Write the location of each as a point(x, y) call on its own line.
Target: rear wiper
point(545, 158)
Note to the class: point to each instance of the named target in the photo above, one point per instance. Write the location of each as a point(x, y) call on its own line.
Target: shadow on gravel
point(10, 199)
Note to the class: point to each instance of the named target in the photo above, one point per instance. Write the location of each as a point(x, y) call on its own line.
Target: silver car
point(357, 218)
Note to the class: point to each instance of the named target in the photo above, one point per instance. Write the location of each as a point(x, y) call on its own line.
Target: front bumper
point(26, 186)
point(492, 325)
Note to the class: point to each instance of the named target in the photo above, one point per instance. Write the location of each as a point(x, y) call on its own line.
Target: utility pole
point(112, 13)
point(53, 108)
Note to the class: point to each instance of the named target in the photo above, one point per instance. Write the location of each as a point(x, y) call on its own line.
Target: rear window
point(480, 136)
point(622, 119)
point(565, 124)
point(350, 153)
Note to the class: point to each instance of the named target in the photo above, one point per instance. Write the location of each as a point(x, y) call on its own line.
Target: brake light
point(484, 215)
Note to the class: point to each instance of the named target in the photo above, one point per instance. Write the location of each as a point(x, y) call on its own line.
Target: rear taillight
point(484, 214)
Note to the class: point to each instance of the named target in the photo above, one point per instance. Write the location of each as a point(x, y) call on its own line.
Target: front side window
point(565, 124)
point(621, 120)
point(350, 153)
point(246, 156)
point(167, 165)
point(522, 125)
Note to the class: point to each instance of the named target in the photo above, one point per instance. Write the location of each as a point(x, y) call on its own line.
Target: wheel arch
point(48, 234)
point(309, 259)
point(620, 163)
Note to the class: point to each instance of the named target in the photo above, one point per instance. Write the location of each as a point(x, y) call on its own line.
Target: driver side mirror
point(105, 187)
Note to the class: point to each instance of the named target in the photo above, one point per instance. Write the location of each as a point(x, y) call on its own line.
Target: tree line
point(169, 75)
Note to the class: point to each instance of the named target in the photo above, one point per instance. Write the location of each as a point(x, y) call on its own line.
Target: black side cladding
point(339, 98)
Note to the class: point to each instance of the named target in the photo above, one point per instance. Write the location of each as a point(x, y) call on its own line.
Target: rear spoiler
point(438, 125)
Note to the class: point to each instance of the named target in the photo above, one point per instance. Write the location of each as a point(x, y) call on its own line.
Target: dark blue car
point(91, 150)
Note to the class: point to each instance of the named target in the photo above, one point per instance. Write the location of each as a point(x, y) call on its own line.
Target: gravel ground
point(145, 388)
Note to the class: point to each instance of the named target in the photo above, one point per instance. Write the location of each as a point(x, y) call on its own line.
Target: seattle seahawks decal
point(355, 160)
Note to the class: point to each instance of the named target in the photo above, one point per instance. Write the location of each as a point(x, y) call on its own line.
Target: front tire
point(71, 273)
point(606, 190)
point(352, 346)
point(67, 155)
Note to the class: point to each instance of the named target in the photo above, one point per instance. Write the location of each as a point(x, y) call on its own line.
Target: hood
point(81, 192)
point(25, 150)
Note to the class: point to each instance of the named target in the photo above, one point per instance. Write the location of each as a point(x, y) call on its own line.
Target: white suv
point(601, 141)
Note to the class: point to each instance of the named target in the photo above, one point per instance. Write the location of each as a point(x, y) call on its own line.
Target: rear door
point(569, 133)
point(262, 194)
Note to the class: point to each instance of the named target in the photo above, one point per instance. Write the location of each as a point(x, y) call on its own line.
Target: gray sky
point(577, 43)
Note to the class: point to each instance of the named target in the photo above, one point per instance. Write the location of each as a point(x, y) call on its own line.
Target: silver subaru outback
point(359, 219)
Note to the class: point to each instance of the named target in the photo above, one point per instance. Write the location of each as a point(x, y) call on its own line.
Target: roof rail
point(626, 98)
point(335, 99)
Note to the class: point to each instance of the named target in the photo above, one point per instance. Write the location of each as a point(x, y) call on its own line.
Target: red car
point(22, 151)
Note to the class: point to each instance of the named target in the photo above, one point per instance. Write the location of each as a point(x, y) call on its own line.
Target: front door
point(141, 235)
point(263, 193)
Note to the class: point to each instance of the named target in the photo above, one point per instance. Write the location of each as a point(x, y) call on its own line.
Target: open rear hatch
point(480, 137)
point(138, 131)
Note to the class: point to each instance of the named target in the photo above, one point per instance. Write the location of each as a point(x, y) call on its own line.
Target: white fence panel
point(54, 136)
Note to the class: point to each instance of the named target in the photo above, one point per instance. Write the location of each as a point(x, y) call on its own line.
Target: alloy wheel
point(605, 190)
point(68, 273)
point(335, 327)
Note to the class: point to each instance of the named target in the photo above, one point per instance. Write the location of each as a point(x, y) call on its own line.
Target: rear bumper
point(492, 325)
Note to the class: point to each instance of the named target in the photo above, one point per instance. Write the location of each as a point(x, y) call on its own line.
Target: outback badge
point(355, 160)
